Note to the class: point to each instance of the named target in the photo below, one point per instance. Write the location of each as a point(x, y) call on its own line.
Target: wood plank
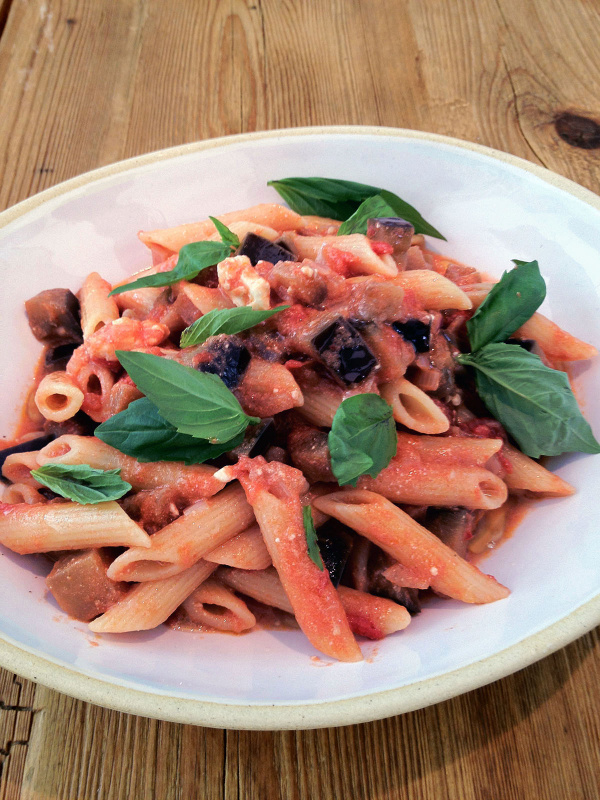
point(83, 84)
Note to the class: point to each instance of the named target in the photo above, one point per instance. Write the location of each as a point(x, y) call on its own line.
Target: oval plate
point(492, 207)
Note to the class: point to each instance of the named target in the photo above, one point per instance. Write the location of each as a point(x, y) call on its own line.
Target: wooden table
point(87, 82)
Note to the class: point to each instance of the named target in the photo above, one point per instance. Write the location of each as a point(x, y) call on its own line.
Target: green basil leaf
point(371, 208)
point(311, 537)
point(510, 303)
point(227, 236)
point(196, 403)
point(141, 432)
point(533, 402)
point(193, 258)
point(82, 483)
point(224, 320)
point(338, 199)
point(363, 439)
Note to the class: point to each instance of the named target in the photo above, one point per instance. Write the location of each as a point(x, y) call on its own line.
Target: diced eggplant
point(381, 587)
point(54, 317)
point(526, 344)
point(258, 439)
point(415, 332)
point(391, 230)
point(25, 447)
point(453, 526)
point(79, 425)
point(309, 452)
point(257, 248)
point(344, 352)
point(227, 357)
point(335, 544)
point(56, 358)
point(80, 587)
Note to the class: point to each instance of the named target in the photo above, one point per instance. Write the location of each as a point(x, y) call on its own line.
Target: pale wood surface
point(87, 82)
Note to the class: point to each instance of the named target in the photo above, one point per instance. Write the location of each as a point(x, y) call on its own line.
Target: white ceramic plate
point(492, 207)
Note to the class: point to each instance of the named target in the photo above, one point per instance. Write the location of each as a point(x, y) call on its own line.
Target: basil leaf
point(363, 439)
point(510, 303)
point(193, 258)
point(371, 208)
point(338, 199)
point(82, 483)
point(196, 403)
point(311, 537)
point(141, 432)
point(227, 236)
point(533, 402)
point(224, 320)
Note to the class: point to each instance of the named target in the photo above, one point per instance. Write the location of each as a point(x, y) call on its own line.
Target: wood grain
point(86, 83)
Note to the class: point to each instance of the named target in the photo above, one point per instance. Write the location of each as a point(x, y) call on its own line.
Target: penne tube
point(57, 397)
point(242, 229)
point(320, 404)
point(271, 215)
point(22, 493)
point(68, 526)
point(149, 604)
point(477, 292)
point(205, 299)
point(369, 616)
point(526, 475)
point(17, 468)
point(458, 449)
point(356, 245)
point(202, 527)
point(215, 605)
point(140, 301)
point(412, 545)
point(267, 389)
point(97, 308)
point(432, 290)
point(413, 408)
point(274, 489)
point(556, 343)
point(247, 550)
point(193, 482)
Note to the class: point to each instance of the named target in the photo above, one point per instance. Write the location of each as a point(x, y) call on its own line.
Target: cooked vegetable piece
point(344, 352)
point(335, 544)
point(79, 584)
point(25, 447)
point(54, 317)
point(380, 586)
point(453, 526)
point(57, 357)
point(227, 357)
point(257, 248)
point(258, 439)
point(391, 230)
point(416, 332)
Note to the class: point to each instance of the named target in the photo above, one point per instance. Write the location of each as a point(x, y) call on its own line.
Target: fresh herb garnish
point(141, 432)
point(371, 208)
point(362, 440)
point(224, 320)
point(193, 259)
point(510, 303)
point(533, 402)
point(311, 537)
point(338, 199)
point(196, 403)
point(82, 483)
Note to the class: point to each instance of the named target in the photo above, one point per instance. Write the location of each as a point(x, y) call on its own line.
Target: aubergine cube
point(257, 248)
point(258, 439)
point(391, 230)
point(415, 332)
point(54, 317)
point(57, 357)
point(453, 526)
point(227, 357)
point(344, 352)
point(335, 544)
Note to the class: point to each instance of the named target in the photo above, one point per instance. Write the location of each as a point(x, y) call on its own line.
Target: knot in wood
point(578, 131)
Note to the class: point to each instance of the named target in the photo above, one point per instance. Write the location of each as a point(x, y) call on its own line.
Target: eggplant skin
point(257, 248)
point(227, 357)
point(54, 317)
point(344, 352)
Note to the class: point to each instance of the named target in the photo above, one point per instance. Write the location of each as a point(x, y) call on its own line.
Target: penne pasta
point(268, 388)
point(97, 308)
point(412, 545)
point(215, 605)
point(355, 245)
point(17, 468)
point(413, 408)
point(432, 290)
point(149, 604)
point(41, 528)
point(526, 475)
point(57, 397)
point(247, 550)
point(21, 493)
point(556, 343)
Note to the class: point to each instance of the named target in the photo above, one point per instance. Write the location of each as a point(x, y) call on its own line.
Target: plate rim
point(315, 714)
